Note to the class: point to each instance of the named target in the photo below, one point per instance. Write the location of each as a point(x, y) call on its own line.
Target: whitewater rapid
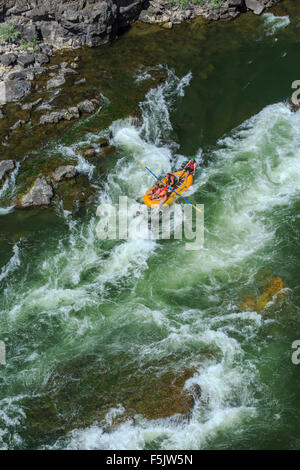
point(254, 172)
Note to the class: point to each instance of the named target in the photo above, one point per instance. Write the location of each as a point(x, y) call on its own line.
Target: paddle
point(195, 207)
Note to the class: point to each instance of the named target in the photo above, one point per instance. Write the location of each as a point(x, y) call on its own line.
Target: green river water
point(98, 331)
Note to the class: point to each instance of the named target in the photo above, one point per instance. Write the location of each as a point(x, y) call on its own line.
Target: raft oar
point(195, 207)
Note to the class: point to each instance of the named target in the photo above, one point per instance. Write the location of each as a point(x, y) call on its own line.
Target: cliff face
point(73, 22)
point(78, 23)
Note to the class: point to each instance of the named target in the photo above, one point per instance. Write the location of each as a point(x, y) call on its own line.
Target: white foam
point(83, 166)
point(273, 23)
point(12, 417)
point(6, 210)
point(259, 166)
point(10, 182)
point(265, 150)
point(12, 265)
point(260, 163)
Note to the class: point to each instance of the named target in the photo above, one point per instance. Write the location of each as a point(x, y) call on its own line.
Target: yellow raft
point(181, 188)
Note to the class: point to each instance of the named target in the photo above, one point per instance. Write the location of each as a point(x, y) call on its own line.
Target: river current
point(98, 332)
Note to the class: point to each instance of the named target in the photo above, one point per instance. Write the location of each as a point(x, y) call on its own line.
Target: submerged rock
point(68, 71)
point(29, 106)
point(169, 398)
point(273, 286)
point(89, 153)
point(103, 142)
point(167, 25)
point(6, 166)
point(64, 172)
point(56, 82)
point(80, 82)
point(17, 125)
point(39, 195)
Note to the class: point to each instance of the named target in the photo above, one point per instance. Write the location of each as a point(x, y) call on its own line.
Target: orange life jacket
point(164, 190)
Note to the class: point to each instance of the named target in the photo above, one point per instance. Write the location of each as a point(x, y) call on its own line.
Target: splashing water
point(13, 264)
point(9, 186)
point(274, 23)
point(123, 304)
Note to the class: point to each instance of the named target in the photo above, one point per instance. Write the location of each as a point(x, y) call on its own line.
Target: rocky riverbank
point(94, 22)
point(31, 30)
point(170, 12)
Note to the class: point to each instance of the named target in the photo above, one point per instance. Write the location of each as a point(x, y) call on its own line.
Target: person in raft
point(163, 196)
point(171, 180)
point(189, 168)
point(153, 192)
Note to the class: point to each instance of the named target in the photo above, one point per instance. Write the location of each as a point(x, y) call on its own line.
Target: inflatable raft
point(180, 188)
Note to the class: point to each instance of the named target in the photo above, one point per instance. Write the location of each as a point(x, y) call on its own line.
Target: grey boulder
point(236, 3)
point(6, 166)
point(39, 195)
point(256, 6)
point(28, 32)
point(17, 125)
point(64, 172)
point(26, 60)
point(8, 59)
point(86, 106)
point(14, 90)
point(29, 106)
point(63, 115)
point(56, 82)
point(42, 59)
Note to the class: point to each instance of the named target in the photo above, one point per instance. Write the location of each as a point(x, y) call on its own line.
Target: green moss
point(30, 170)
point(183, 3)
point(76, 190)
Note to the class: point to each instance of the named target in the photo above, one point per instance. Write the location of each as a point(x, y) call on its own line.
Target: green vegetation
point(8, 33)
point(180, 3)
point(215, 3)
point(183, 3)
point(30, 45)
